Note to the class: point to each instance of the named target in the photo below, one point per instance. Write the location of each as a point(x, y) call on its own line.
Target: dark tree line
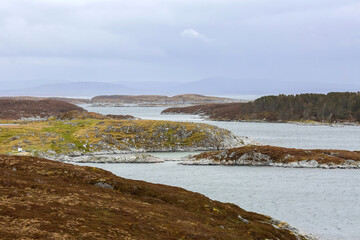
point(331, 107)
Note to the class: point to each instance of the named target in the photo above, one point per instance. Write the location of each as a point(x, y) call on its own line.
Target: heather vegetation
point(42, 199)
point(21, 109)
point(332, 107)
point(278, 157)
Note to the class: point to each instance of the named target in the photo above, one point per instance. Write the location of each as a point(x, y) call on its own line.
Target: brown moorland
point(17, 109)
point(283, 155)
point(42, 199)
point(63, 99)
point(215, 111)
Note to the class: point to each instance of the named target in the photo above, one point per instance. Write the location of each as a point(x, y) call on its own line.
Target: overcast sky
point(179, 40)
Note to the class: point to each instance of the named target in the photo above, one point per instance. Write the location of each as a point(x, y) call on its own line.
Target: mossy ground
point(90, 135)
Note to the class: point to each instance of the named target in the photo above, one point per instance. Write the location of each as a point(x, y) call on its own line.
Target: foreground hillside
point(81, 136)
point(333, 107)
point(278, 157)
point(42, 199)
point(18, 109)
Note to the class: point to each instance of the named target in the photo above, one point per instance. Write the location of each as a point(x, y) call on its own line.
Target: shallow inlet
point(275, 134)
point(318, 201)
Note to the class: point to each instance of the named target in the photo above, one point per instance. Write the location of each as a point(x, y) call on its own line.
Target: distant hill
point(17, 109)
point(253, 86)
point(216, 86)
point(69, 100)
point(75, 89)
point(141, 100)
point(332, 107)
point(158, 99)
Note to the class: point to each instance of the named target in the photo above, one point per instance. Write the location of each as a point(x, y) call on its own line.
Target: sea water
point(275, 134)
point(323, 202)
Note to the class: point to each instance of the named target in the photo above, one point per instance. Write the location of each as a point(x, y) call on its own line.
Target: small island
point(157, 100)
point(277, 157)
point(77, 135)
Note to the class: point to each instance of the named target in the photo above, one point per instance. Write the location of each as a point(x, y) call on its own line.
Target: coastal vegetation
point(111, 135)
point(42, 199)
point(62, 99)
point(278, 156)
point(331, 107)
point(22, 109)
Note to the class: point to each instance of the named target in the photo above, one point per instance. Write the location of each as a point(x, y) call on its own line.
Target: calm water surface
point(276, 134)
point(322, 202)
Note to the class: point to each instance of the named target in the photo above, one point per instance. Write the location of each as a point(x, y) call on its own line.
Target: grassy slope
point(91, 135)
point(43, 199)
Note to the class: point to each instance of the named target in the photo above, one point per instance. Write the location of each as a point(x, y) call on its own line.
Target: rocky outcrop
point(110, 136)
point(277, 157)
point(121, 117)
point(124, 158)
point(100, 157)
point(76, 115)
point(43, 199)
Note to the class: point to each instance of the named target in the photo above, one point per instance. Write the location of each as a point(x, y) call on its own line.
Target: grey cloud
point(139, 40)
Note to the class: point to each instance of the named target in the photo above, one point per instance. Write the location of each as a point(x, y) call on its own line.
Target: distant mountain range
point(219, 86)
point(79, 89)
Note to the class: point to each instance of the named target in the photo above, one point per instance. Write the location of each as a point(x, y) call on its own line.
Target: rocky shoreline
point(300, 122)
point(123, 158)
point(112, 136)
point(277, 157)
point(102, 157)
point(300, 164)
